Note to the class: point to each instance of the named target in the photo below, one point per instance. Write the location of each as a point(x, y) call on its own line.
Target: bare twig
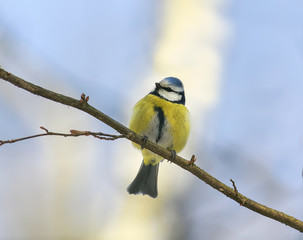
point(235, 187)
point(99, 135)
point(242, 202)
point(73, 133)
point(192, 161)
point(127, 133)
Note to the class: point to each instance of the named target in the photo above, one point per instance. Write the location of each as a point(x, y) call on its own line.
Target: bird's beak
point(158, 86)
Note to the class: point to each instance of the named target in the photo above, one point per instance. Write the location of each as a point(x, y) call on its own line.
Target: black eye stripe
point(168, 89)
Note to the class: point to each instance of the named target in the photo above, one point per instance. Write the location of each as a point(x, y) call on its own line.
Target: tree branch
point(127, 133)
point(73, 133)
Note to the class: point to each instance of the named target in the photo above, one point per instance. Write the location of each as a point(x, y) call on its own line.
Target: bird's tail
point(146, 181)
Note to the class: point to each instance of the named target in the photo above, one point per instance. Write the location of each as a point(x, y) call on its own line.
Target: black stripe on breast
point(160, 115)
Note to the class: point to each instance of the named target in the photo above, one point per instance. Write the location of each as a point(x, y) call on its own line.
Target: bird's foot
point(144, 141)
point(173, 154)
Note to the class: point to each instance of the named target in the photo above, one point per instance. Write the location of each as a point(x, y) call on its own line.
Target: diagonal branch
point(127, 133)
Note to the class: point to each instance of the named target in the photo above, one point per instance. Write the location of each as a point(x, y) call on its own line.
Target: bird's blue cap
point(174, 81)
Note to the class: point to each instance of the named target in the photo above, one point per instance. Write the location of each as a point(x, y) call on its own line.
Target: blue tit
point(161, 117)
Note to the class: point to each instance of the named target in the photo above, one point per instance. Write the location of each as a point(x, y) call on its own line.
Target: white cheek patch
point(170, 96)
point(177, 89)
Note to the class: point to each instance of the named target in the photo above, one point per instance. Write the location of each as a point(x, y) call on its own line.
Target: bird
point(162, 118)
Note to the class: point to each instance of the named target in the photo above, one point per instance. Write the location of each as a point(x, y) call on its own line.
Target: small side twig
point(73, 133)
point(192, 161)
point(236, 192)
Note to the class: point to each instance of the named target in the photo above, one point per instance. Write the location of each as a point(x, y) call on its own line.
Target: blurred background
point(241, 65)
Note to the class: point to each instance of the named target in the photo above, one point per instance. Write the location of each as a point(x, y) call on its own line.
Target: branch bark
point(185, 164)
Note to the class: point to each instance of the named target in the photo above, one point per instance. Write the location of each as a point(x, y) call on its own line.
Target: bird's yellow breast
point(176, 115)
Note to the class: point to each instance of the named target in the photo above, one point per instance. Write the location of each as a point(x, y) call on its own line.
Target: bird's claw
point(173, 154)
point(144, 141)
